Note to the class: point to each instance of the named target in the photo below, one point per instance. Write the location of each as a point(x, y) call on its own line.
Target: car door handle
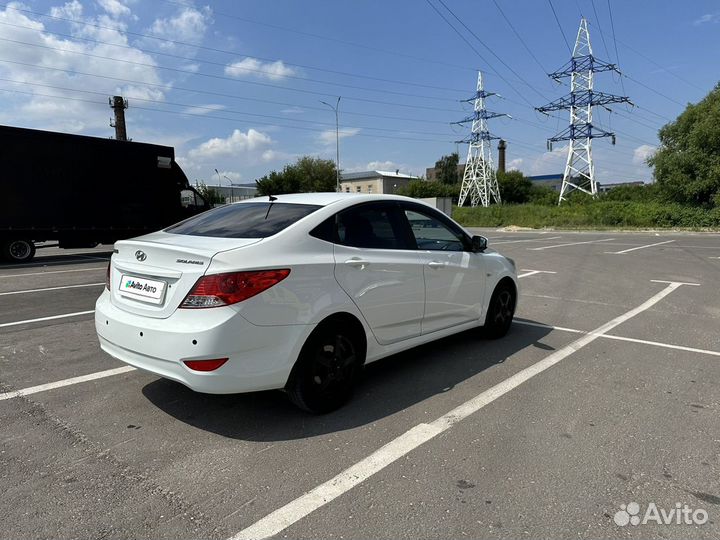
point(362, 263)
point(436, 264)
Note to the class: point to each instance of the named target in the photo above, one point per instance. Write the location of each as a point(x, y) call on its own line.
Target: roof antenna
point(272, 200)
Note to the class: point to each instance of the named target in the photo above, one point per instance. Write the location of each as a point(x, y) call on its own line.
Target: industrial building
point(374, 181)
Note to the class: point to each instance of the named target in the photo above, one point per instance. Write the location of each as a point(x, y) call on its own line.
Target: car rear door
point(454, 275)
point(377, 266)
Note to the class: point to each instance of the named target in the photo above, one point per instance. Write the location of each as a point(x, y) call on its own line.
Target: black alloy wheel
point(327, 370)
point(500, 312)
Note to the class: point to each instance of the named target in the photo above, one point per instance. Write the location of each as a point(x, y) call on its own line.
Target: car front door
point(454, 274)
point(378, 267)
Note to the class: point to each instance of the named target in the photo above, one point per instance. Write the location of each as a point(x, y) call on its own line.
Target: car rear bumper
point(259, 357)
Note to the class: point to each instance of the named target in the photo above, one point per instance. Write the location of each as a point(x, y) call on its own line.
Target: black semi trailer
point(83, 191)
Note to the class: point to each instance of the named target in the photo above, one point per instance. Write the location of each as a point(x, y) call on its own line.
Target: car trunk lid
point(152, 274)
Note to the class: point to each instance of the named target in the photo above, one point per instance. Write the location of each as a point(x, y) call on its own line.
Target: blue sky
point(237, 85)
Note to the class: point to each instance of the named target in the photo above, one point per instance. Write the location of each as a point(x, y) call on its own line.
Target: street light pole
point(232, 189)
point(337, 142)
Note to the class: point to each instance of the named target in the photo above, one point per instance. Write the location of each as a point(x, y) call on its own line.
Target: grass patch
point(599, 214)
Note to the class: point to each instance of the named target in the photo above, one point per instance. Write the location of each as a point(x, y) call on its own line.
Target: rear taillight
point(107, 277)
point(205, 365)
point(216, 290)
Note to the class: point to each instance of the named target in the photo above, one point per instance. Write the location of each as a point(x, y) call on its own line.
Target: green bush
point(514, 187)
point(597, 214)
point(423, 189)
point(645, 192)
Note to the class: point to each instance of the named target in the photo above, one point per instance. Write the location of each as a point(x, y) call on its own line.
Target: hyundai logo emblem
point(140, 255)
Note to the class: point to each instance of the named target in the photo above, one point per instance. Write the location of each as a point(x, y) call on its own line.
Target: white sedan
point(298, 292)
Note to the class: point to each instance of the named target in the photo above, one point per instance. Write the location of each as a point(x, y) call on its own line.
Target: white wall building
point(374, 181)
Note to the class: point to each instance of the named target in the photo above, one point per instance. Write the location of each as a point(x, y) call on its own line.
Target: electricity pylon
point(479, 178)
point(579, 167)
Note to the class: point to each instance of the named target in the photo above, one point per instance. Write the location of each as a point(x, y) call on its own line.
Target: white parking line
point(66, 382)
point(284, 517)
point(527, 240)
point(571, 244)
point(53, 288)
point(54, 272)
point(28, 321)
point(529, 272)
point(639, 247)
point(622, 338)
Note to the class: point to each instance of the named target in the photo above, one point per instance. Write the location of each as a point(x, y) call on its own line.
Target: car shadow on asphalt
point(388, 386)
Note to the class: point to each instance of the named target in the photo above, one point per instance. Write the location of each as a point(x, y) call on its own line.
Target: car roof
point(327, 198)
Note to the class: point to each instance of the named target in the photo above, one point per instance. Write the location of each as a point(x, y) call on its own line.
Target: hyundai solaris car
point(298, 292)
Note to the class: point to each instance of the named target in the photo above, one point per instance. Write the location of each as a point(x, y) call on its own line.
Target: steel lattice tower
point(479, 179)
point(579, 168)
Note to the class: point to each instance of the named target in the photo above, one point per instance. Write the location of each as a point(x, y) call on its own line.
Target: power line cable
point(656, 64)
point(208, 108)
point(560, 27)
point(617, 56)
point(652, 89)
point(215, 117)
point(192, 72)
point(350, 98)
point(235, 54)
point(490, 50)
point(517, 34)
point(597, 18)
point(212, 49)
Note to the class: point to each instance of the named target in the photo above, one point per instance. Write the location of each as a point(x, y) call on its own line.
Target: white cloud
point(192, 68)
point(69, 10)
point(382, 166)
point(234, 176)
point(238, 143)
point(550, 162)
point(293, 110)
point(328, 136)
point(116, 8)
point(204, 109)
point(67, 63)
point(253, 67)
point(515, 164)
point(188, 25)
point(708, 18)
point(642, 152)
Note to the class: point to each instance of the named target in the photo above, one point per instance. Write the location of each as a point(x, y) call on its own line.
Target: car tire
point(17, 251)
point(327, 370)
point(500, 311)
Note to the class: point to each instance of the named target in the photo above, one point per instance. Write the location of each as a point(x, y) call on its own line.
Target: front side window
point(244, 220)
point(432, 234)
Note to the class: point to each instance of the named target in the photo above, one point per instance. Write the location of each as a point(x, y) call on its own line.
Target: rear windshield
point(244, 220)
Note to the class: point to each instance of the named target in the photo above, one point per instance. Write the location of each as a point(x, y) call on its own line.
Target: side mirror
point(479, 244)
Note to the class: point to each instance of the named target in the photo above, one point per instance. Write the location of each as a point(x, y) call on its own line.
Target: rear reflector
point(205, 365)
point(216, 290)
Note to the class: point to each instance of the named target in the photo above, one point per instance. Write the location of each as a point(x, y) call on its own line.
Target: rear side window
point(245, 220)
point(371, 226)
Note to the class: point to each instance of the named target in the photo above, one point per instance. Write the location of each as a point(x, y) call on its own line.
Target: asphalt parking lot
point(605, 392)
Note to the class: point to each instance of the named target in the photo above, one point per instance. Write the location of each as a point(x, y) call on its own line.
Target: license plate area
point(145, 290)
